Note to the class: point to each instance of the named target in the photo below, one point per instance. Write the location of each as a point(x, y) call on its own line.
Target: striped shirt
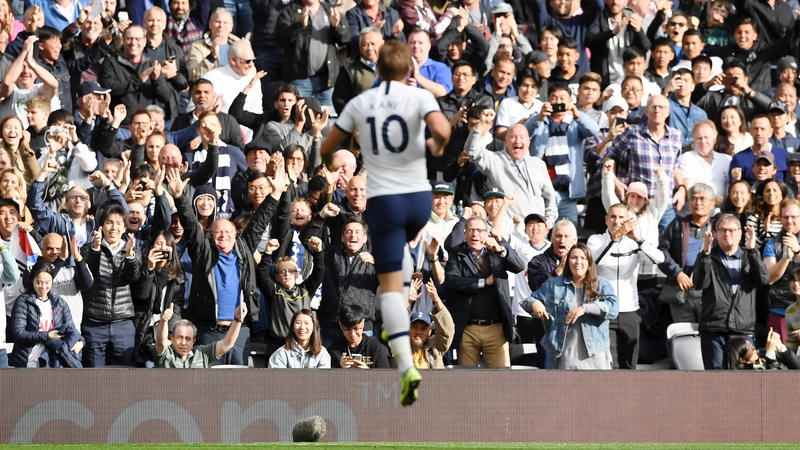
point(638, 148)
point(733, 263)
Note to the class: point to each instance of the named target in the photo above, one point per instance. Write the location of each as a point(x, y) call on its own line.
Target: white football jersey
point(390, 120)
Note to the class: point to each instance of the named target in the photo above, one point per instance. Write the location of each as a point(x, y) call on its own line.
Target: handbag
point(671, 293)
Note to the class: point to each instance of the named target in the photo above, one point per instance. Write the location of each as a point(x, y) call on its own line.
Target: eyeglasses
point(728, 230)
point(676, 24)
point(700, 199)
point(476, 230)
point(286, 271)
point(74, 198)
point(246, 61)
point(253, 189)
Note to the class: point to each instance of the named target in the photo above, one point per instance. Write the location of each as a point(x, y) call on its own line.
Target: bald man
point(68, 282)
point(330, 222)
point(224, 270)
point(348, 163)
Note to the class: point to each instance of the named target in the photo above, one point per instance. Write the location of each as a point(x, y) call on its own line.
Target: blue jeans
point(713, 347)
point(3, 359)
point(240, 353)
point(669, 216)
point(242, 16)
point(567, 207)
point(316, 87)
point(108, 343)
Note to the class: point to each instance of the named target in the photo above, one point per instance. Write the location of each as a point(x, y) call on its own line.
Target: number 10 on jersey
point(387, 141)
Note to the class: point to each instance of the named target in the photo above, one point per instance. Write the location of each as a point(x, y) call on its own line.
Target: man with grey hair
point(729, 277)
point(358, 73)
point(515, 171)
point(541, 268)
point(681, 243)
point(231, 79)
point(212, 51)
point(180, 352)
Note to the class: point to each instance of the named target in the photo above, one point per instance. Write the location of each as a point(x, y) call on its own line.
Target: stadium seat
point(522, 354)
point(229, 366)
point(684, 346)
point(258, 355)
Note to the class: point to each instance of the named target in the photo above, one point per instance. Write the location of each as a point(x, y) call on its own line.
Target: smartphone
point(56, 129)
point(559, 107)
point(142, 186)
point(620, 121)
point(416, 276)
point(728, 80)
point(171, 59)
point(165, 254)
point(357, 357)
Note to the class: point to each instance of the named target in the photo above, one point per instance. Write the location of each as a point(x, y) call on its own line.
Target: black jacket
point(122, 77)
point(231, 133)
point(713, 103)
point(24, 325)
point(671, 243)
point(154, 293)
point(296, 40)
point(450, 104)
point(541, 268)
point(202, 308)
point(723, 311)
point(369, 347)
point(597, 38)
point(110, 299)
point(475, 52)
point(346, 282)
point(180, 81)
point(265, 20)
point(461, 274)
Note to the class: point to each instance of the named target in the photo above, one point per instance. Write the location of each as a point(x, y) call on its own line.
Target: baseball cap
point(532, 217)
point(765, 155)
point(444, 187)
point(613, 101)
point(637, 187)
point(793, 158)
point(536, 57)
point(787, 62)
point(313, 104)
point(495, 191)
point(89, 87)
point(419, 315)
point(502, 8)
point(258, 144)
point(778, 105)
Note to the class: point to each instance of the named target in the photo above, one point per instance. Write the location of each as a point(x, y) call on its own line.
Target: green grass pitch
point(419, 445)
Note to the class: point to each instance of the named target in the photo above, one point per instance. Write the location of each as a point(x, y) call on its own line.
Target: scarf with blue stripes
point(556, 153)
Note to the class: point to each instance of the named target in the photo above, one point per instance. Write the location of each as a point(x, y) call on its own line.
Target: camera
point(559, 107)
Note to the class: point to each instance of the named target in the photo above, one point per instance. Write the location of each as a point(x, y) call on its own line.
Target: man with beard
point(186, 24)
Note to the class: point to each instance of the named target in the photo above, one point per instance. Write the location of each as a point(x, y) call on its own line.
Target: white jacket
point(648, 222)
point(527, 179)
point(618, 262)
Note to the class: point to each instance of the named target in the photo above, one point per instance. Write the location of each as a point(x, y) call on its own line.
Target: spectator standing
point(19, 84)
point(369, 14)
point(615, 30)
point(212, 51)
point(359, 72)
point(781, 261)
point(232, 78)
point(573, 26)
point(187, 22)
point(729, 277)
point(309, 30)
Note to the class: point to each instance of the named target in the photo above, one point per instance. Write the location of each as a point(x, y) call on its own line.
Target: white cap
point(613, 101)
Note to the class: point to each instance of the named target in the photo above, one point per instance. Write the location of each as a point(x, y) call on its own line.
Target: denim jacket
point(557, 294)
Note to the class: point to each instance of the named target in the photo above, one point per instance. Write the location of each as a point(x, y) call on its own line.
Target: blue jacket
point(358, 19)
point(556, 294)
point(746, 158)
point(579, 129)
point(25, 325)
point(684, 122)
point(53, 17)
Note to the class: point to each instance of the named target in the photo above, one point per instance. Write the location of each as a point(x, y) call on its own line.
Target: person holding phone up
point(558, 132)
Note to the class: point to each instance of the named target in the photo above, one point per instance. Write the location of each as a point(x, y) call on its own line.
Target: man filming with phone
point(180, 352)
point(355, 350)
point(558, 132)
point(737, 92)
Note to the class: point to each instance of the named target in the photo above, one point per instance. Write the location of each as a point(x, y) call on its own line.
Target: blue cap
point(419, 315)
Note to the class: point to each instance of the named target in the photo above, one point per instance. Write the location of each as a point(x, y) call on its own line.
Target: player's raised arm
point(332, 142)
point(440, 129)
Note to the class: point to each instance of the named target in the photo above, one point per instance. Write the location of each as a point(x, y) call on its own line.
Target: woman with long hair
point(161, 287)
point(733, 136)
point(576, 308)
point(739, 201)
point(38, 319)
point(767, 218)
point(303, 349)
point(741, 354)
point(296, 162)
point(16, 144)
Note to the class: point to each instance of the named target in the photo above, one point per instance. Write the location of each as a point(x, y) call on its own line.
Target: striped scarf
point(185, 33)
point(221, 181)
point(556, 153)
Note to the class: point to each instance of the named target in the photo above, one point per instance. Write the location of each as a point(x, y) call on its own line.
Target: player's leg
point(391, 219)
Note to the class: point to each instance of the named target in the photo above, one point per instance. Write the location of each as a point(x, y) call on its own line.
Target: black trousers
point(624, 335)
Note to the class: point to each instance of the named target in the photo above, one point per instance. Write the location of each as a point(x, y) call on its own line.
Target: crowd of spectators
point(614, 167)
